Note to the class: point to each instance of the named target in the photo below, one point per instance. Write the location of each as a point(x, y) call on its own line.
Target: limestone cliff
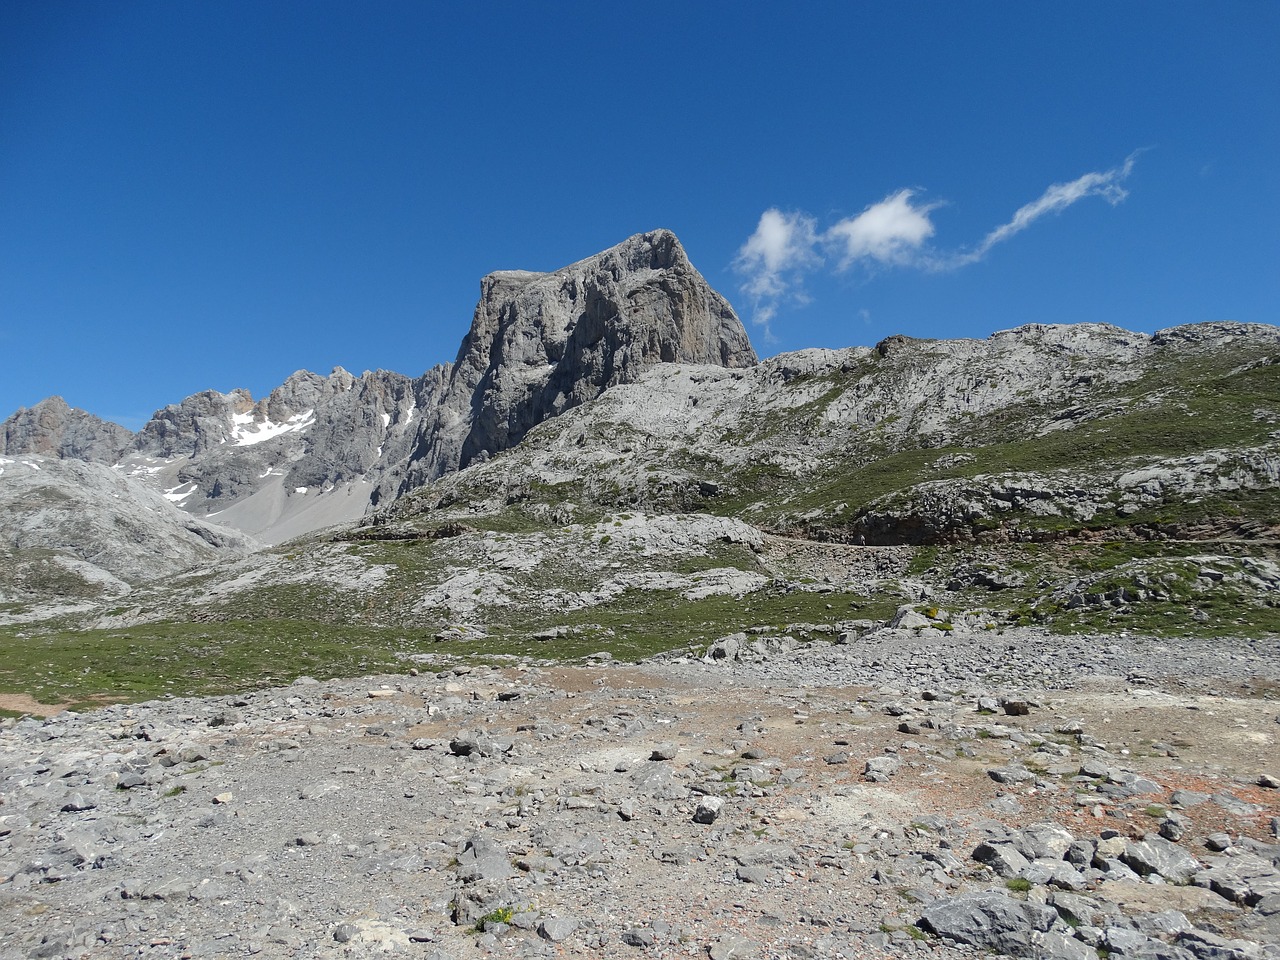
point(52, 428)
point(543, 343)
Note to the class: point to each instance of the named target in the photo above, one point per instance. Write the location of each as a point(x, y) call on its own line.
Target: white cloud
point(890, 232)
point(894, 233)
point(774, 259)
point(1057, 198)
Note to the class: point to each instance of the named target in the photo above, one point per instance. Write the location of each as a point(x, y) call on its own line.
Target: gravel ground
point(790, 800)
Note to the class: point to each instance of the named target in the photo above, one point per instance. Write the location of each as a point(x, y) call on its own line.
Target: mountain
point(607, 460)
point(52, 428)
point(324, 450)
point(541, 344)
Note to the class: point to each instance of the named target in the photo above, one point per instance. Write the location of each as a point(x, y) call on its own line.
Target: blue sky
point(210, 195)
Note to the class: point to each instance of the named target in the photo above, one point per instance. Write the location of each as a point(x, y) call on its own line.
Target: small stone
point(557, 929)
point(77, 804)
point(664, 751)
point(880, 769)
point(192, 753)
point(639, 937)
point(1157, 855)
point(708, 810)
point(223, 798)
point(1218, 841)
point(732, 947)
point(1003, 858)
point(1095, 769)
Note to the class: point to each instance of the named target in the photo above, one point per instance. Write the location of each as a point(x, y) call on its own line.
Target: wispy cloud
point(894, 232)
point(1057, 198)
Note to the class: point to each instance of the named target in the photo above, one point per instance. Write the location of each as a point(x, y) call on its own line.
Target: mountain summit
point(322, 450)
point(542, 343)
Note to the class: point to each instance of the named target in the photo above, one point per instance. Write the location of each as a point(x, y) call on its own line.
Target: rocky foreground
point(907, 793)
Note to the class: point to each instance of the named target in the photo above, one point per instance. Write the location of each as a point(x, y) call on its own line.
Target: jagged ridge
point(322, 450)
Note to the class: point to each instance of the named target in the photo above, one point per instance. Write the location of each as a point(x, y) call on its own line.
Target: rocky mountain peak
point(303, 391)
point(543, 343)
point(53, 428)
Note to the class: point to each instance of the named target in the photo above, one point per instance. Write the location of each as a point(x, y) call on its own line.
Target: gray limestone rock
point(53, 429)
point(733, 947)
point(880, 769)
point(557, 929)
point(989, 920)
point(1004, 858)
point(543, 343)
point(708, 810)
point(1158, 855)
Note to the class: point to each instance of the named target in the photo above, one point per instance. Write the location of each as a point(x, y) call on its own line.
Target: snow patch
point(246, 431)
point(177, 494)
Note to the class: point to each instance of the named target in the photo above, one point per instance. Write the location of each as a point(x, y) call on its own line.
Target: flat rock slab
point(1149, 898)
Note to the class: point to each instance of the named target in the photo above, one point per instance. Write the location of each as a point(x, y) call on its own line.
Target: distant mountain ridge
point(321, 450)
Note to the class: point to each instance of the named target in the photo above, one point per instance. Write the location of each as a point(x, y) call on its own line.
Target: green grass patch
point(90, 667)
point(641, 623)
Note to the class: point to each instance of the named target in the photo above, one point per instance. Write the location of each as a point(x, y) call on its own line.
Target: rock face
point(53, 429)
point(542, 343)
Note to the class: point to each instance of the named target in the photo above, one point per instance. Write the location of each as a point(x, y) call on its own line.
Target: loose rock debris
point(834, 800)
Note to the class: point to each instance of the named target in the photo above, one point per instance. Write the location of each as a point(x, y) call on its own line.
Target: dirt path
point(24, 703)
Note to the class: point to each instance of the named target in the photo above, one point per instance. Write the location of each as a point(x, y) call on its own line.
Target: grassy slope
point(1177, 408)
point(277, 632)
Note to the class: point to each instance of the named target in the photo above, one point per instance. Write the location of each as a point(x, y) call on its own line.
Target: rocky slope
point(904, 795)
point(1031, 433)
point(75, 533)
point(53, 429)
